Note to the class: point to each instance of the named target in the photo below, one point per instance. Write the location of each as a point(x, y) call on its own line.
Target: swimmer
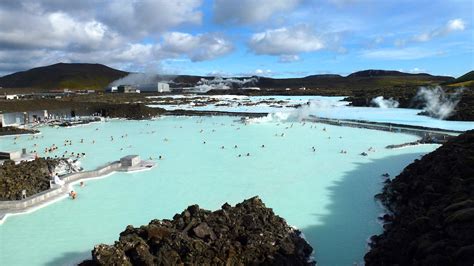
point(204, 142)
point(240, 155)
point(263, 146)
point(82, 184)
point(222, 147)
point(160, 157)
point(73, 194)
point(248, 153)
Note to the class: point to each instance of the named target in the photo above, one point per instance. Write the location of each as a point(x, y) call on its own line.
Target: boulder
point(246, 234)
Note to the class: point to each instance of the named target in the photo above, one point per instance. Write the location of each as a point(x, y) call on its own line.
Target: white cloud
point(417, 70)
point(288, 58)
point(262, 72)
point(55, 30)
point(286, 41)
point(197, 47)
point(450, 27)
point(109, 32)
point(399, 53)
point(249, 11)
point(139, 18)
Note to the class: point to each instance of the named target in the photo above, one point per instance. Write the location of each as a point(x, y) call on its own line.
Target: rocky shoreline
point(247, 234)
point(464, 110)
point(34, 177)
point(6, 131)
point(431, 210)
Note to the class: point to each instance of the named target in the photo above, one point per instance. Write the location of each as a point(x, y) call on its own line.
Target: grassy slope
point(59, 76)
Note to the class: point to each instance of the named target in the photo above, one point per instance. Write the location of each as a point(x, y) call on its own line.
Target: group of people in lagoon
point(53, 148)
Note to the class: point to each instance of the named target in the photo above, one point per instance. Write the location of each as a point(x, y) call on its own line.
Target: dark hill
point(62, 75)
point(466, 80)
point(367, 81)
point(379, 73)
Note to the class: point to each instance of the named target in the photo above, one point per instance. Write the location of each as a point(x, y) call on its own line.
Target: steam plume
point(384, 103)
point(438, 103)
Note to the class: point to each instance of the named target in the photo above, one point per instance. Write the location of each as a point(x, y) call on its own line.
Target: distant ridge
point(378, 73)
point(97, 76)
point(466, 80)
point(63, 75)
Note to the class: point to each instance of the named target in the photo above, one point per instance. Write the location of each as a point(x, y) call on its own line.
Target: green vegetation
point(62, 76)
point(466, 80)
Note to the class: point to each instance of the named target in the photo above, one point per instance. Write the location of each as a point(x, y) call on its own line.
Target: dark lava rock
point(31, 176)
point(15, 131)
point(134, 111)
point(247, 234)
point(432, 210)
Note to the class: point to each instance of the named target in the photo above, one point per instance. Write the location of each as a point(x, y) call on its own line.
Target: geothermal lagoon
point(327, 194)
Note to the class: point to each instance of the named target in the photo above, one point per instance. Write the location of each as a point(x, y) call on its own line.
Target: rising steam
point(384, 103)
point(219, 83)
point(141, 79)
point(438, 103)
point(311, 108)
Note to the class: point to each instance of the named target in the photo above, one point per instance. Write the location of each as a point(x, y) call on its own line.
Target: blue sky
point(278, 38)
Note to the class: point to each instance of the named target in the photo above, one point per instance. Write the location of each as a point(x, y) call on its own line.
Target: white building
point(155, 87)
point(11, 97)
point(163, 87)
point(13, 119)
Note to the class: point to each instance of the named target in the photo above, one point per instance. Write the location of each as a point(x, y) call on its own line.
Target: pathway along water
point(56, 192)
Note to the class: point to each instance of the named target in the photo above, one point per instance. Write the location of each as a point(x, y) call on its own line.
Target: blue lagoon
point(326, 194)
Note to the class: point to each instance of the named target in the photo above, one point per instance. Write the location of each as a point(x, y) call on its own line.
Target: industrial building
point(17, 119)
point(127, 89)
point(155, 87)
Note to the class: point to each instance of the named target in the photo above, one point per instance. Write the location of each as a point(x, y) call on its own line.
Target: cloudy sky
point(279, 38)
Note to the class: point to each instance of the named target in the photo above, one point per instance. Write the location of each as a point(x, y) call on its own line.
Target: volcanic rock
point(431, 205)
point(31, 176)
point(247, 234)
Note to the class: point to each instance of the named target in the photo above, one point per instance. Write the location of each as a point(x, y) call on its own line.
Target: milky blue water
point(328, 195)
point(322, 106)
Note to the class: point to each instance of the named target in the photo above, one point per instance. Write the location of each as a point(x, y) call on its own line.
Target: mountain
point(62, 75)
point(96, 76)
point(362, 80)
point(382, 73)
point(466, 80)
